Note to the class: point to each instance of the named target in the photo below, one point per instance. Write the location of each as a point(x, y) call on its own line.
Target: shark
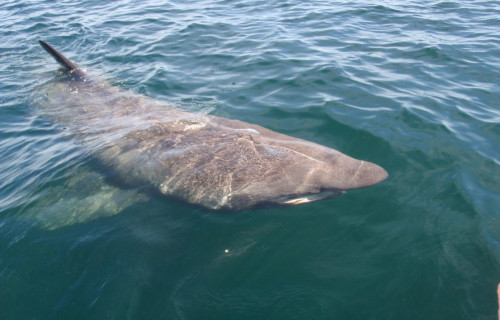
point(201, 159)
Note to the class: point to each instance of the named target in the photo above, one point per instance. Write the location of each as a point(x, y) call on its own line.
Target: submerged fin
point(67, 64)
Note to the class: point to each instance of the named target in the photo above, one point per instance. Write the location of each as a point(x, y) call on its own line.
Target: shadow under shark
point(213, 162)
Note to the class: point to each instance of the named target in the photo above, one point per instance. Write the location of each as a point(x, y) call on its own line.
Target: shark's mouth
point(295, 200)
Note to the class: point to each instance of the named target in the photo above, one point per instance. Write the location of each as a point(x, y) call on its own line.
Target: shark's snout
point(368, 174)
point(345, 173)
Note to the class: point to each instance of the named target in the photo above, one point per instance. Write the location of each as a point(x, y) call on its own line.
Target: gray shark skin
point(213, 162)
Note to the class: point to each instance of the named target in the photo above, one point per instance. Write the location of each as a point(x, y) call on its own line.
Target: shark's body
point(217, 163)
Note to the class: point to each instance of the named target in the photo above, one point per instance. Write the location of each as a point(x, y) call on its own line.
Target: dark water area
point(411, 86)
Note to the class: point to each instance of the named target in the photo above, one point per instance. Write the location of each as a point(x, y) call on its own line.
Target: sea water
point(413, 86)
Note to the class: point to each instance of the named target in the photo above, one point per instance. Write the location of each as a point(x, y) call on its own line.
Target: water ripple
point(410, 85)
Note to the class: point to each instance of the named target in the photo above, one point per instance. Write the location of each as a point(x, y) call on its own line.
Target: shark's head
point(337, 174)
point(282, 170)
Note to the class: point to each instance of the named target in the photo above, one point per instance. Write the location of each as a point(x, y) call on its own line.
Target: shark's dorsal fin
point(67, 64)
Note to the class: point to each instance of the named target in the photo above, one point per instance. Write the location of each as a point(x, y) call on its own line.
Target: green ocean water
point(412, 86)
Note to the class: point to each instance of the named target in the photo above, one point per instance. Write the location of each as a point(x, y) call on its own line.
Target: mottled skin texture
point(217, 163)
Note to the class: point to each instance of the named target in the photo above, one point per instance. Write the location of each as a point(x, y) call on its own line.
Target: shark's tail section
point(67, 64)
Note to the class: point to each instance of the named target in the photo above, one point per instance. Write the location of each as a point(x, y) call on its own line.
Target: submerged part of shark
point(83, 197)
point(213, 162)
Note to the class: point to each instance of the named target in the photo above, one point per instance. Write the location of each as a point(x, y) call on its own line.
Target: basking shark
point(205, 160)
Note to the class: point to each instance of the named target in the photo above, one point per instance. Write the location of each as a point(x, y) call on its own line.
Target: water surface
point(410, 86)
